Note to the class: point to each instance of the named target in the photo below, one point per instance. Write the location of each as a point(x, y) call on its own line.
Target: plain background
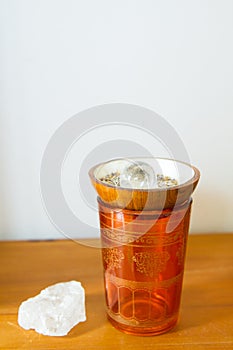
point(60, 57)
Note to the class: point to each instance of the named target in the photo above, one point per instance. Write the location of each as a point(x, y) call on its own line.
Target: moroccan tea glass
point(144, 242)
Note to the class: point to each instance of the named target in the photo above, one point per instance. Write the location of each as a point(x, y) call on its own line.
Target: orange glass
point(144, 233)
point(143, 273)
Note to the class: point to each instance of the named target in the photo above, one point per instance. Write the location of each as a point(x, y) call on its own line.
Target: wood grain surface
point(206, 316)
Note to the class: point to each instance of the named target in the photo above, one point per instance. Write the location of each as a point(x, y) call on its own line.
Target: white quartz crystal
point(137, 175)
point(55, 310)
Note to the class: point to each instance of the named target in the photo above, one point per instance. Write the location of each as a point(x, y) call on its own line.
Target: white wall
point(61, 57)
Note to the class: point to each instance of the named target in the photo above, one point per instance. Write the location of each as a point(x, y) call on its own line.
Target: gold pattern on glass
point(134, 285)
point(134, 322)
point(113, 257)
point(151, 263)
point(138, 239)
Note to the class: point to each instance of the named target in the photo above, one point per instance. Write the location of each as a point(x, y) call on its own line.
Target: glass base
point(144, 330)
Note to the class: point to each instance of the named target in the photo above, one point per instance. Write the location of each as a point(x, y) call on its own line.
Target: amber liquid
point(143, 259)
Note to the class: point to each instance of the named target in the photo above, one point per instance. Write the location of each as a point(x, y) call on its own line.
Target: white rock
point(137, 174)
point(55, 310)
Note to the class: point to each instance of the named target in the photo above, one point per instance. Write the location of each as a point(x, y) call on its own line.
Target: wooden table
point(206, 318)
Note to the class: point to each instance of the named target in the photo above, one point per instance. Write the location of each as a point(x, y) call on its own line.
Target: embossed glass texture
point(143, 273)
point(144, 231)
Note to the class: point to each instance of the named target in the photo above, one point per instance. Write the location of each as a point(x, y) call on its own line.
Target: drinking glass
point(144, 232)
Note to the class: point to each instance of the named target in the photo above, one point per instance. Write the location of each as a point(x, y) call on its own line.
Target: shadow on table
point(96, 316)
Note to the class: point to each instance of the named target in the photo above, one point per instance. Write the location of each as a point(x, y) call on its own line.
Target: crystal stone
point(54, 311)
point(138, 175)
